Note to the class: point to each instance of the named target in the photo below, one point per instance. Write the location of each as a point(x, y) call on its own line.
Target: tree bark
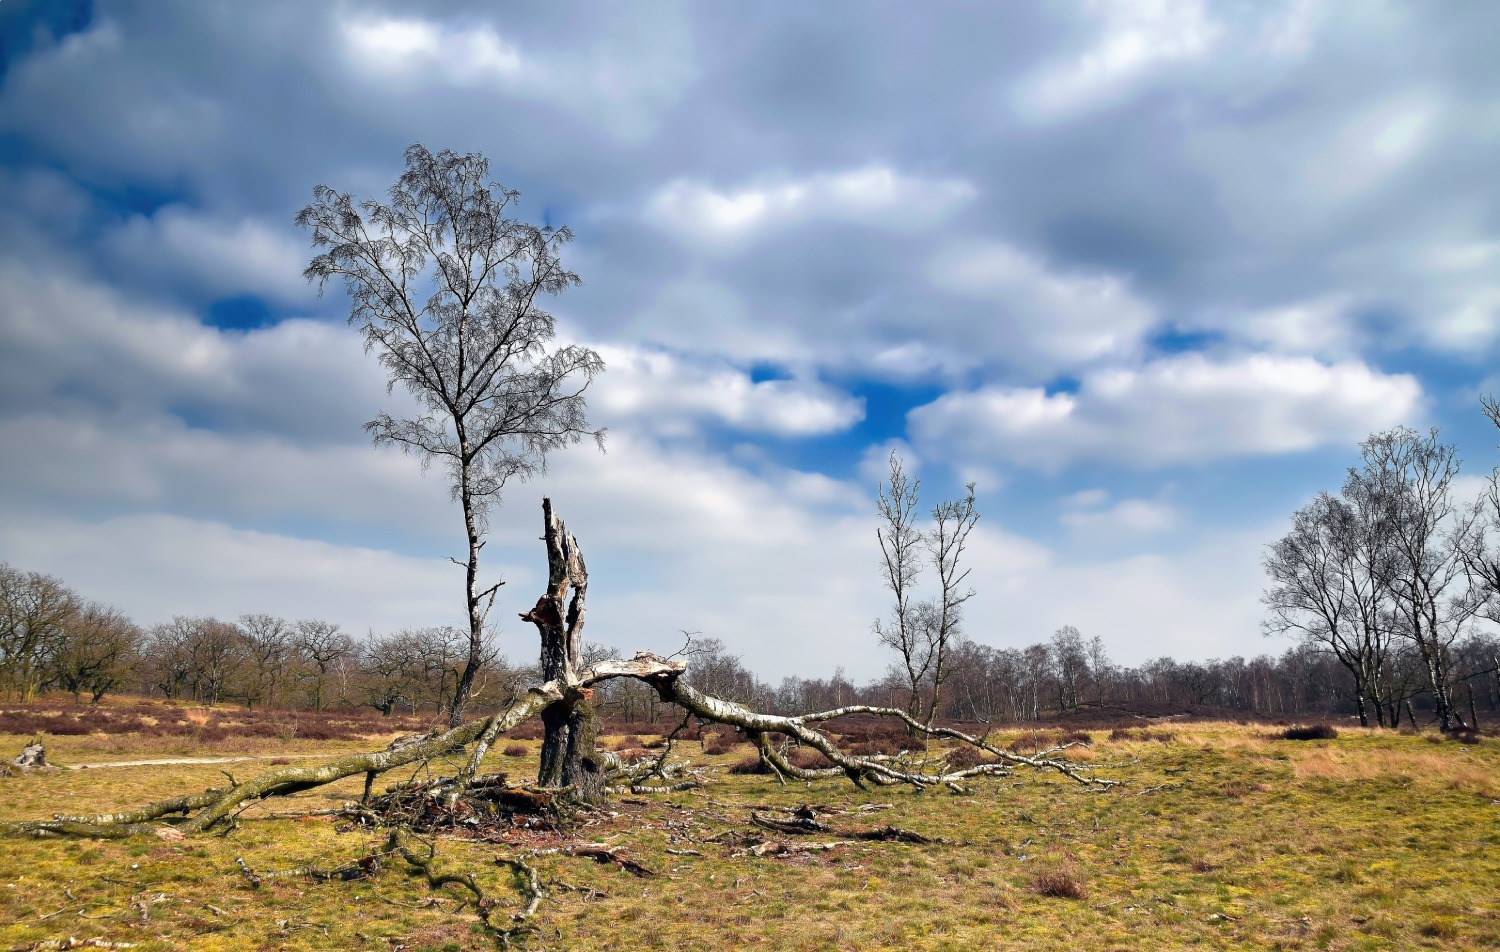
point(569, 756)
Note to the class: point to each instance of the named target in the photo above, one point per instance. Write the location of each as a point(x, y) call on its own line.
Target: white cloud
point(671, 395)
point(1201, 602)
point(94, 351)
point(1323, 327)
point(214, 256)
point(178, 566)
point(1060, 318)
point(1137, 37)
point(874, 194)
point(1183, 409)
point(1083, 512)
point(402, 47)
point(621, 72)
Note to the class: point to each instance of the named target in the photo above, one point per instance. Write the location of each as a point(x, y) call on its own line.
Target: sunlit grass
point(1224, 839)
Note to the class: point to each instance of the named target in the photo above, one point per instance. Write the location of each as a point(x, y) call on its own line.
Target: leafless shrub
point(961, 758)
point(721, 744)
point(750, 765)
point(1310, 732)
point(516, 750)
point(805, 758)
point(1059, 884)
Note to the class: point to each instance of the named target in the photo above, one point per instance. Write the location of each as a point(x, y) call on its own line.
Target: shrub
point(961, 758)
point(721, 744)
point(805, 758)
point(628, 741)
point(750, 765)
point(531, 729)
point(1059, 884)
point(516, 750)
point(1310, 732)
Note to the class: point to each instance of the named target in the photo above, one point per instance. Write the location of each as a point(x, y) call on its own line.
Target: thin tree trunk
point(472, 597)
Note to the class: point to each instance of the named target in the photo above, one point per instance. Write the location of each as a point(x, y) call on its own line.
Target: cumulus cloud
point(601, 82)
point(874, 194)
point(180, 566)
point(1037, 312)
point(78, 345)
point(673, 395)
point(213, 256)
point(1184, 409)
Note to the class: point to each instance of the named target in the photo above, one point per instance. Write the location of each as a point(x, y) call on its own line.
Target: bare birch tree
point(905, 631)
point(952, 521)
point(923, 632)
point(1327, 587)
point(445, 288)
point(1407, 479)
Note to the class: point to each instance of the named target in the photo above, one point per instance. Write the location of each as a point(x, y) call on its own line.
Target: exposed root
point(447, 804)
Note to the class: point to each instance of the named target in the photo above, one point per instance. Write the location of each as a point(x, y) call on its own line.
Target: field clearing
point(1222, 839)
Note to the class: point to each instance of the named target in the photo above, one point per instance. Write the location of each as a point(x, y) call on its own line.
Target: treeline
point(1068, 675)
point(53, 639)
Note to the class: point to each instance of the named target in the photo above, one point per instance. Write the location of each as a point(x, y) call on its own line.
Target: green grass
point(1222, 840)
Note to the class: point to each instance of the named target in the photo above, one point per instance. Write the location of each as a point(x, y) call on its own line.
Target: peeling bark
point(569, 757)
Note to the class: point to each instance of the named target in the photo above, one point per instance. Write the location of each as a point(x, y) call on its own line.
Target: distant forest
point(51, 639)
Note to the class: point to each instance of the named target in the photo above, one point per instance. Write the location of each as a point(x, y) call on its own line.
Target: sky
point(1144, 272)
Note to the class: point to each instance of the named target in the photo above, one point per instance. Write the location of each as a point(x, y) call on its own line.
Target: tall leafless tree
point(34, 608)
point(1407, 480)
point(905, 631)
point(445, 289)
point(922, 632)
point(952, 521)
point(98, 649)
point(321, 646)
point(1071, 660)
point(1328, 587)
point(268, 656)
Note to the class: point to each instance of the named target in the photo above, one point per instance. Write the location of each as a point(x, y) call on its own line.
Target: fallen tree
point(571, 765)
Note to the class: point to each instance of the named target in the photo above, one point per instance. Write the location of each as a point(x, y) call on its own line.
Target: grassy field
point(1223, 839)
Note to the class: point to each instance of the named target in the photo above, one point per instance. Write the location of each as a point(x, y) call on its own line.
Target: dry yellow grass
point(1223, 839)
point(1422, 767)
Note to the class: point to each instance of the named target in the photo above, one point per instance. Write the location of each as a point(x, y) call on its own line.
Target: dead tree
point(568, 749)
point(571, 764)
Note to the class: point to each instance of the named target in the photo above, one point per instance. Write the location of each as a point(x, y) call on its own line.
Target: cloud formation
point(1177, 410)
point(1092, 247)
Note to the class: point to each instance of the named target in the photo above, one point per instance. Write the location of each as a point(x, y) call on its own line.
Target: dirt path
point(180, 761)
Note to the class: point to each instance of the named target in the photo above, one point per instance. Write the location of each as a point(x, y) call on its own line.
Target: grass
point(1225, 838)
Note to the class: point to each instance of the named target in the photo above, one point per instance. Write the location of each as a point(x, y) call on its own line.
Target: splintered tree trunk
point(569, 757)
